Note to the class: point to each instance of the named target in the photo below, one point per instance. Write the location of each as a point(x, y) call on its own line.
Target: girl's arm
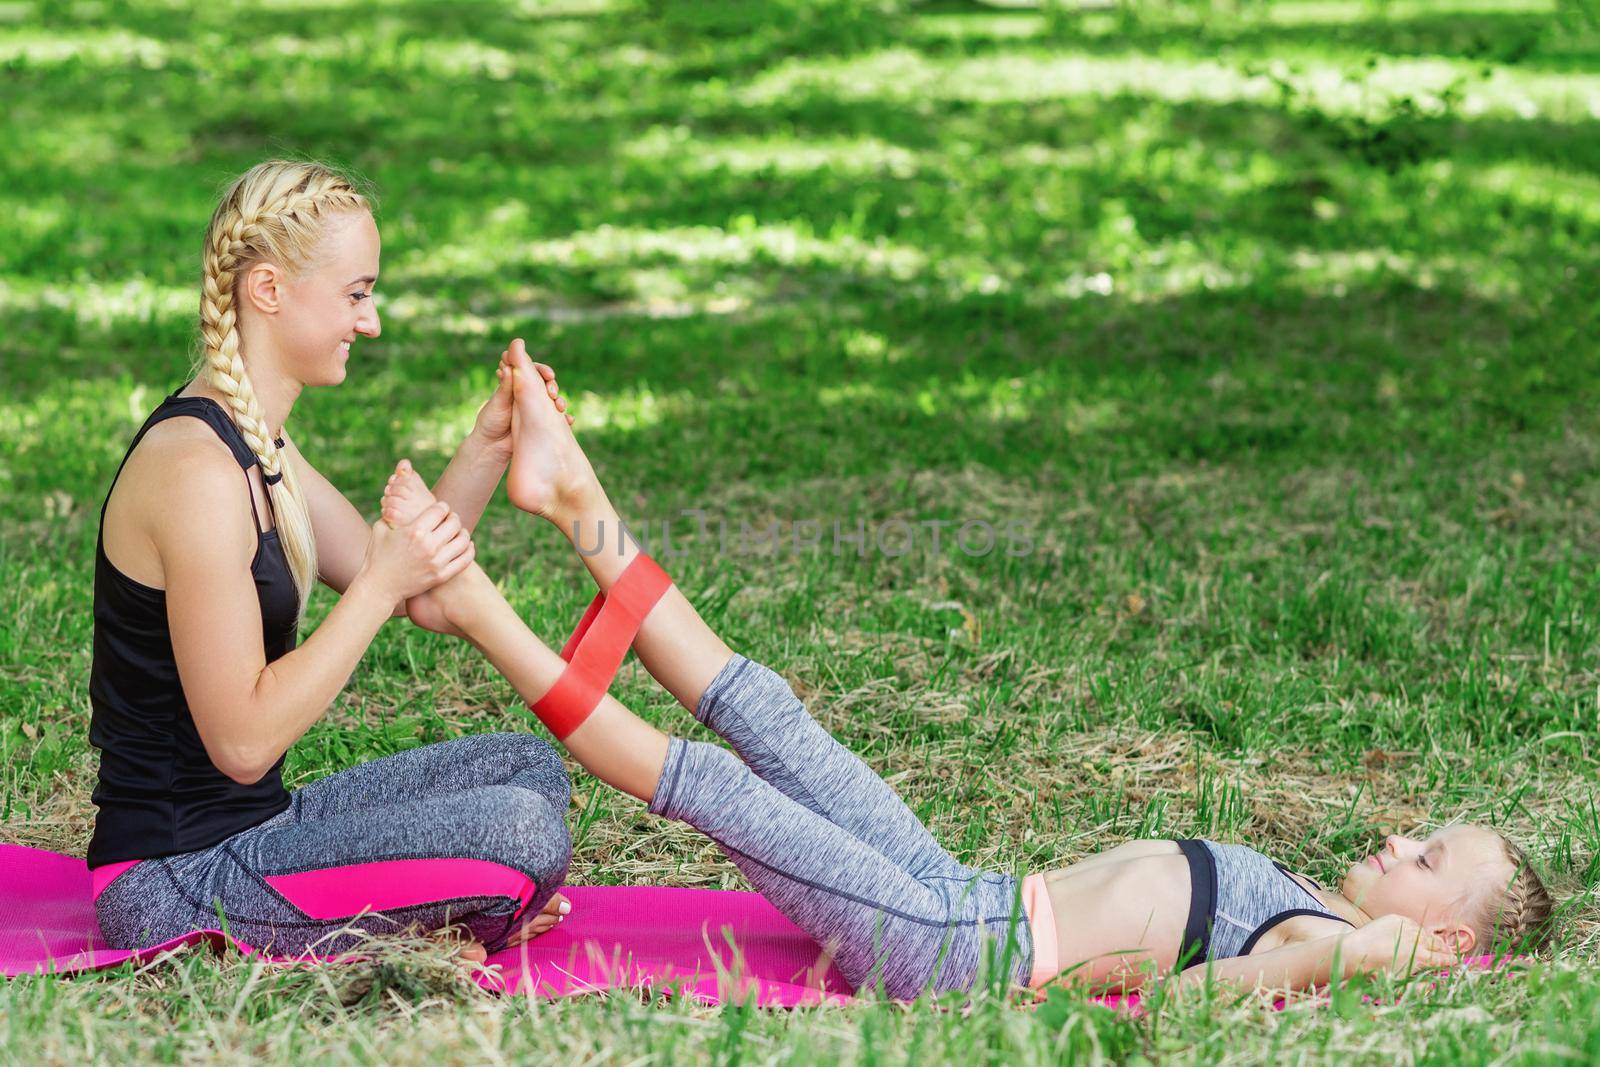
point(1389, 943)
point(247, 711)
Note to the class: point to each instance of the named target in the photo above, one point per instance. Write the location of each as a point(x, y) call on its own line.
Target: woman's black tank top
point(159, 793)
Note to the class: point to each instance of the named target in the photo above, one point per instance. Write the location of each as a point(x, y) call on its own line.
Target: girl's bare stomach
point(1120, 914)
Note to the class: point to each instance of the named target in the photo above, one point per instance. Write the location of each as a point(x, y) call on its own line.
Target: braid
point(1522, 918)
point(219, 330)
point(276, 210)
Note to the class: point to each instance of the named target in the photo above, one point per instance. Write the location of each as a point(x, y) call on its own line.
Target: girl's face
point(1434, 881)
point(329, 304)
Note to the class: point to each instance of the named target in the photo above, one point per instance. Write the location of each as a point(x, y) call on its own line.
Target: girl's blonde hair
point(275, 211)
point(1520, 915)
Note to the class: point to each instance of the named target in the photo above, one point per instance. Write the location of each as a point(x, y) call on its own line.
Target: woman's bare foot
point(447, 606)
point(549, 475)
point(550, 916)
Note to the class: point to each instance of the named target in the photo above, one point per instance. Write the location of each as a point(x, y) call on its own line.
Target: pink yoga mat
point(710, 944)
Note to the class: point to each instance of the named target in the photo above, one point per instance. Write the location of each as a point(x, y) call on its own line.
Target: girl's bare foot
point(405, 495)
point(493, 424)
point(550, 475)
point(444, 608)
point(546, 372)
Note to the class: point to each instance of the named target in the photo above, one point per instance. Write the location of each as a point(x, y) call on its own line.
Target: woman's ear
point(262, 288)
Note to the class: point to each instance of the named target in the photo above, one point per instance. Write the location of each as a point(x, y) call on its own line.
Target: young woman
point(212, 533)
point(832, 846)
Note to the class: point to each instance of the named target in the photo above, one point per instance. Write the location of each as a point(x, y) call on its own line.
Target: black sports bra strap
point(1274, 920)
point(1289, 875)
point(251, 491)
point(215, 416)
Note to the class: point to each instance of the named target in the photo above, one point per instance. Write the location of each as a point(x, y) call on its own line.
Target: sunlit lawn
point(1270, 325)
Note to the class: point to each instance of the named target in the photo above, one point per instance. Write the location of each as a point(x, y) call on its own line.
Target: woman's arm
point(466, 484)
point(342, 534)
point(470, 478)
point(1388, 943)
point(247, 711)
point(478, 465)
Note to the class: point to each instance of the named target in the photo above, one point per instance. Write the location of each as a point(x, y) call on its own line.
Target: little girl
point(833, 847)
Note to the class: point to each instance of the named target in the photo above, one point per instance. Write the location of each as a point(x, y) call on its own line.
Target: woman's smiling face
point(1433, 881)
point(327, 305)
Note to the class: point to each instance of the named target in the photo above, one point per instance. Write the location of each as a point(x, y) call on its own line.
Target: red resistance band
point(597, 647)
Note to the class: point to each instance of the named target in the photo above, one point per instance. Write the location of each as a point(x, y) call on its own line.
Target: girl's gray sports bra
point(1236, 895)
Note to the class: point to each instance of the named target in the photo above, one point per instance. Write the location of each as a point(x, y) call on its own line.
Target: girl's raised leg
point(550, 476)
point(741, 700)
point(908, 928)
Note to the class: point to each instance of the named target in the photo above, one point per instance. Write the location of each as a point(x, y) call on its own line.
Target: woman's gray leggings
point(832, 846)
point(470, 832)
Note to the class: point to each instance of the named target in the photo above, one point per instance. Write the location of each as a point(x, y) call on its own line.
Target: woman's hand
point(492, 429)
point(405, 560)
point(1396, 944)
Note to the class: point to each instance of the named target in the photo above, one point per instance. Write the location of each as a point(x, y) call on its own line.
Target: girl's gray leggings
point(470, 832)
point(833, 847)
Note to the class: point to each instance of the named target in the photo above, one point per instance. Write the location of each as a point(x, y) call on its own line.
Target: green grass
point(1284, 360)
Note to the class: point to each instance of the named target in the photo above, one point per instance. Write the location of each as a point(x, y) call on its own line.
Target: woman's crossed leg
point(468, 834)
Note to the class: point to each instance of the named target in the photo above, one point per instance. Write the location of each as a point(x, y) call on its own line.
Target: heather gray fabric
point(832, 846)
point(497, 797)
point(1249, 895)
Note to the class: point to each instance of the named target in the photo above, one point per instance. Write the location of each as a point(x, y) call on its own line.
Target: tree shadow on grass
point(501, 22)
point(1202, 378)
point(457, 144)
point(464, 109)
point(447, 163)
point(815, 390)
point(740, 39)
point(971, 166)
point(1528, 40)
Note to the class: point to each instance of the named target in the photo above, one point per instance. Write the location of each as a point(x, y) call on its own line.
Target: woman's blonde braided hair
point(275, 211)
